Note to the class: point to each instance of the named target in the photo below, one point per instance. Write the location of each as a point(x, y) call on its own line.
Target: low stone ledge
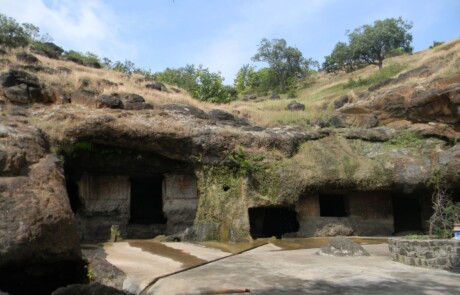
point(439, 254)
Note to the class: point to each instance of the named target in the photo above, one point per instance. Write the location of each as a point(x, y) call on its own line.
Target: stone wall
point(104, 202)
point(180, 196)
point(369, 214)
point(440, 254)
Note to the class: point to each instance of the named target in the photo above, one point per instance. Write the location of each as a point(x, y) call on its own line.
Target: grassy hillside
point(317, 94)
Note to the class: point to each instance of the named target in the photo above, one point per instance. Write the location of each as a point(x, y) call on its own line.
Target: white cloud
point(260, 19)
point(84, 25)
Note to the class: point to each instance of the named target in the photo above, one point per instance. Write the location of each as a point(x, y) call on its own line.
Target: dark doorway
point(73, 193)
point(406, 213)
point(272, 221)
point(332, 205)
point(147, 201)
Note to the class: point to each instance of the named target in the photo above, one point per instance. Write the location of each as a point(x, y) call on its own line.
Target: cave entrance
point(146, 206)
point(267, 222)
point(406, 212)
point(333, 205)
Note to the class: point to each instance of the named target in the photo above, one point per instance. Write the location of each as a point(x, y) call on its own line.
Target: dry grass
point(317, 97)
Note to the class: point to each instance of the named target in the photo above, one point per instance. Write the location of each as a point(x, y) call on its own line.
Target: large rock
point(341, 246)
point(20, 87)
point(341, 101)
point(27, 58)
point(112, 101)
point(220, 115)
point(38, 242)
point(156, 86)
point(296, 106)
point(437, 100)
point(131, 101)
point(185, 109)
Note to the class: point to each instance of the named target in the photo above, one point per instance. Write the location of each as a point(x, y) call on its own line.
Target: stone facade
point(367, 214)
point(180, 195)
point(440, 254)
point(105, 201)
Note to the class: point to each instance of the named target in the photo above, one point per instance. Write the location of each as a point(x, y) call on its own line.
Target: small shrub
point(49, 49)
point(86, 59)
point(406, 139)
point(243, 164)
point(445, 212)
point(435, 44)
point(292, 93)
point(385, 73)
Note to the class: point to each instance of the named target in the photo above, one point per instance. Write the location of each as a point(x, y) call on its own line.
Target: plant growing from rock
point(445, 212)
point(242, 163)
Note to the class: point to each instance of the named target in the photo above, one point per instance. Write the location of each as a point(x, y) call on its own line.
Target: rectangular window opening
point(333, 205)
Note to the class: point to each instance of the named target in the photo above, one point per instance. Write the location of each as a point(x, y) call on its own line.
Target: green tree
point(244, 78)
point(209, 86)
point(370, 44)
point(32, 31)
point(12, 34)
point(341, 59)
point(286, 62)
point(184, 77)
point(200, 82)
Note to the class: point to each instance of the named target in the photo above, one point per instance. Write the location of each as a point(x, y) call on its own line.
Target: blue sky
point(221, 34)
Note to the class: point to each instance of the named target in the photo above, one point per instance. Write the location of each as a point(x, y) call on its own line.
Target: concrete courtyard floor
point(270, 269)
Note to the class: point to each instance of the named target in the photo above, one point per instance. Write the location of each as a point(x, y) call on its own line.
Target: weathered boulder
point(39, 242)
point(341, 101)
point(112, 101)
point(220, 115)
point(27, 58)
point(131, 101)
point(441, 105)
point(18, 94)
point(15, 77)
point(185, 109)
point(274, 96)
point(156, 86)
point(296, 106)
point(341, 246)
point(20, 87)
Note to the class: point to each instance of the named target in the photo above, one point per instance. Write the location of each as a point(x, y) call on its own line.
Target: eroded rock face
point(38, 238)
point(432, 101)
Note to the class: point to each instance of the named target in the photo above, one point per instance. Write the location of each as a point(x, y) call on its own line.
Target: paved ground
point(270, 269)
point(143, 261)
point(265, 271)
